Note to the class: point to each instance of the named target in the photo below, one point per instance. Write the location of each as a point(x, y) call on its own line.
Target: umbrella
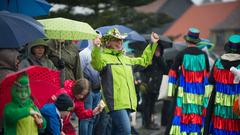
point(44, 82)
point(132, 35)
point(18, 30)
point(27, 7)
point(66, 29)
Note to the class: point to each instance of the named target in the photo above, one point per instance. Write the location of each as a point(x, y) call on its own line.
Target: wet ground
point(140, 129)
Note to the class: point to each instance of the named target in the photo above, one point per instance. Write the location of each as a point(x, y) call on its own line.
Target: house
point(173, 8)
point(223, 30)
point(205, 17)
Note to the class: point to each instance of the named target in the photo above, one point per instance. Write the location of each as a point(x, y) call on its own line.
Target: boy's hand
point(54, 98)
point(96, 110)
point(38, 119)
point(154, 37)
point(32, 112)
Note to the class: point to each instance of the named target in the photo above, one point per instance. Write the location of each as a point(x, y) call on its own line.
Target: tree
point(110, 12)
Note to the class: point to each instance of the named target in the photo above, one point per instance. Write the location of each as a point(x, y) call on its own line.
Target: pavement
point(138, 126)
point(157, 118)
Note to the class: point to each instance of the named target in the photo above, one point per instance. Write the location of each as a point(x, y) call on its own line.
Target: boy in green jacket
point(117, 76)
point(21, 116)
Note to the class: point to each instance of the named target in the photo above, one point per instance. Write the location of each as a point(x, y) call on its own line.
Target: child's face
point(82, 95)
point(22, 93)
point(64, 113)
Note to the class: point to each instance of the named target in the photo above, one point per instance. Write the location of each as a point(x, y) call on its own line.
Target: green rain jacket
point(117, 76)
point(15, 112)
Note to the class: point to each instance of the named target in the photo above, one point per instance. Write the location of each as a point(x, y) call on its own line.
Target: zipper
point(129, 93)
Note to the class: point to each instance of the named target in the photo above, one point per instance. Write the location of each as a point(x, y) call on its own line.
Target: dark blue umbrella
point(132, 35)
point(18, 30)
point(27, 7)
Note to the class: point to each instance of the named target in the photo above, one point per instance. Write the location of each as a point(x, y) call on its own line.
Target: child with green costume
point(21, 116)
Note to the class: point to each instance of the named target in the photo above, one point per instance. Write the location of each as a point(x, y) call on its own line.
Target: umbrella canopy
point(66, 29)
point(44, 82)
point(17, 30)
point(132, 35)
point(27, 7)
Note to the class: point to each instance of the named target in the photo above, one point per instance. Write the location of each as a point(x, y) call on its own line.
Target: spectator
point(101, 121)
point(21, 116)
point(77, 90)
point(54, 113)
point(117, 77)
point(64, 50)
point(152, 76)
point(8, 64)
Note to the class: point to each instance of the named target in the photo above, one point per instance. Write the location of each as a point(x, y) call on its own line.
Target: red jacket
point(79, 109)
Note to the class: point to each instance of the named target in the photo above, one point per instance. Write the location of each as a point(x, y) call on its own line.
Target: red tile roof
point(203, 17)
point(151, 7)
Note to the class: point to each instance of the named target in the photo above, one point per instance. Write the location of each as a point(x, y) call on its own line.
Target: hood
point(21, 86)
point(8, 58)
point(90, 44)
point(230, 57)
point(37, 43)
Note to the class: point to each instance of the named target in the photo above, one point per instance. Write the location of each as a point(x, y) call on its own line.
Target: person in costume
point(21, 116)
point(54, 113)
point(117, 76)
point(188, 83)
point(221, 118)
point(207, 47)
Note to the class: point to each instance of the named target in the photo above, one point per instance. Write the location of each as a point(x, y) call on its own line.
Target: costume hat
point(233, 44)
point(192, 35)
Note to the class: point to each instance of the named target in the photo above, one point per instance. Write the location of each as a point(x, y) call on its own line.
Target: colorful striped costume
point(224, 121)
point(188, 78)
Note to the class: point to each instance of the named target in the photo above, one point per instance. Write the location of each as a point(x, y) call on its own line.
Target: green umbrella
point(66, 29)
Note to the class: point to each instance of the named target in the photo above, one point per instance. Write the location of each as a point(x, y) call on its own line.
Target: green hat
point(22, 81)
point(113, 34)
point(205, 43)
point(192, 35)
point(37, 42)
point(233, 44)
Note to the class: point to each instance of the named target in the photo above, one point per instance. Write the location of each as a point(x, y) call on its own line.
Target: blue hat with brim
point(233, 44)
point(192, 35)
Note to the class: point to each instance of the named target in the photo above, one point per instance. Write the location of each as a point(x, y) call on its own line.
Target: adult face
point(39, 51)
point(115, 44)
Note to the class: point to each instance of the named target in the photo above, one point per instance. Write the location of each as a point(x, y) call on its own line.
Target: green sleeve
point(13, 114)
point(44, 125)
point(96, 61)
point(146, 57)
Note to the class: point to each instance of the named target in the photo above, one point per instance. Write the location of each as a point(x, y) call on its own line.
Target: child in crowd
point(55, 112)
point(21, 116)
point(77, 90)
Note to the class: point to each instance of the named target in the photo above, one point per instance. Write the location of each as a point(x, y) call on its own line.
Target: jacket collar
point(113, 51)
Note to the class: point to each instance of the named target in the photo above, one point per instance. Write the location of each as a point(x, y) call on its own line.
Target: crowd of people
point(99, 87)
